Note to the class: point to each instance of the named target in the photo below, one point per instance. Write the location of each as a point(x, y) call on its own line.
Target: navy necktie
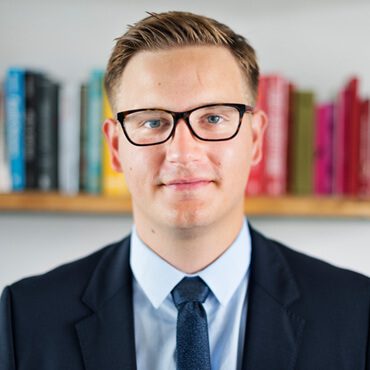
point(192, 344)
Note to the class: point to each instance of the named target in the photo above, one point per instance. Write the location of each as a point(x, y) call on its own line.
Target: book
point(255, 185)
point(5, 181)
point(290, 142)
point(339, 143)
point(69, 139)
point(94, 137)
point(15, 125)
point(31, 127)
point(364, 173)
point(83, 137)
point(114, 183)
point(323, 152)
point(352, 157)
point(275, 171)
point(346, 139)
point(302, 143)
point(47, 150)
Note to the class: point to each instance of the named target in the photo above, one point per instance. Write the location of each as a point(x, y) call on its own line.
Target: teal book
point(94, 137)
point(15, 126)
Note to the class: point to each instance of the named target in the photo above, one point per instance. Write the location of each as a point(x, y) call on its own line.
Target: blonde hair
point(173, 29)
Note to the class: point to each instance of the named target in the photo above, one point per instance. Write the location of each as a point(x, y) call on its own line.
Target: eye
point(154, 123)
point(214, 119)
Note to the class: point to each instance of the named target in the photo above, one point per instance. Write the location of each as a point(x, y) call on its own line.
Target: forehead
point(181, 78)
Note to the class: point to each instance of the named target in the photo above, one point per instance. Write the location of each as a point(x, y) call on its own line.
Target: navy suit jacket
point(303, 314)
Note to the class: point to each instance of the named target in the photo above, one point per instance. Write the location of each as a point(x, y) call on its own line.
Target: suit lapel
point(273, 330)
point(106, 337)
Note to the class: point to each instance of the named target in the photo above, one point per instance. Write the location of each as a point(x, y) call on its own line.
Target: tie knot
point(190, 289)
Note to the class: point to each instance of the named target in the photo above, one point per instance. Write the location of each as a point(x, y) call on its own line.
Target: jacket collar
point(106, 337)
point(273, 329)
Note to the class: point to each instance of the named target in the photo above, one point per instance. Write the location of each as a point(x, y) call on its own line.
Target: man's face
point(185, 183)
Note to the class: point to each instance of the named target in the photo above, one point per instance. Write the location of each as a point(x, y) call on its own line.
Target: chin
point(188, 218)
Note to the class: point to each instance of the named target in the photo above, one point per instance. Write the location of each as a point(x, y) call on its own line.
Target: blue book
point(94, 135)
point(15, 125)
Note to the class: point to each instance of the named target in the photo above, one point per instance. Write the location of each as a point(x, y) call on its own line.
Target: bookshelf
point(286, 206)
point(289, 26)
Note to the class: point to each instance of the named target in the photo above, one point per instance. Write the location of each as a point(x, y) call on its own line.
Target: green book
point(302, 143)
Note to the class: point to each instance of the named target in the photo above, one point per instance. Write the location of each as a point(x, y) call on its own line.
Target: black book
point(48, 135)
point(83, 137)
point(31, 127)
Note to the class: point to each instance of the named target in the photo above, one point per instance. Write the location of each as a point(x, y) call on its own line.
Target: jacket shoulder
point(69, 279)
point(307, 267)
point(321, 272)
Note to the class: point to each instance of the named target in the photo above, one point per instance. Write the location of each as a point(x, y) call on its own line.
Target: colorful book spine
point(303, 139)
point(364, 175)
point(353, 134)
point(94, 132)
point(339, 143)
point(255, 185)
point(48, 135)
point(290, 144)
point(83, 137)
point(323, 153)
point(277, 136)
point(114, 183)
point(31, 128)
point(5, 182)
point(69, 139)
point(15, 125)
point(346, 138)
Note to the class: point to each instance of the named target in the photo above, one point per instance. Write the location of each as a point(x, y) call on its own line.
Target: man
point(194, 286)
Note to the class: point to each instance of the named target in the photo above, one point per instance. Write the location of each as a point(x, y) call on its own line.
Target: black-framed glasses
point(211, 122)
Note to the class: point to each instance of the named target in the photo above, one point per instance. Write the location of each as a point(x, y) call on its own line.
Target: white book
point(5, 180)
point(69, 139)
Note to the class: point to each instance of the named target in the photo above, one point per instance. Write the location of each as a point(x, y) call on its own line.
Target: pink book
point(323, 161)
point(364, 178)
point(347, 136)
point(255, 185)
point(339, 144)
point(276, 150)
point(353, 134)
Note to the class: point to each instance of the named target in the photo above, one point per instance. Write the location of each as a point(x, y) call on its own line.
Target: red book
point(323, 160)
point(347, 140)
point(276, 149)
point(353, 130)
point(255, 184)
point(364, 178)
point(339, 143)
point(291, 141)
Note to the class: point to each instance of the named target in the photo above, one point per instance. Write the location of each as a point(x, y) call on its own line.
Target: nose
point(183, 147)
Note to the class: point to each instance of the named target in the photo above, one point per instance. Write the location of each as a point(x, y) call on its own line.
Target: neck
point(192, 249)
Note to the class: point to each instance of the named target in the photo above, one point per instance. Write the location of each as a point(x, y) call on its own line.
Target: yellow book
point(113, 182)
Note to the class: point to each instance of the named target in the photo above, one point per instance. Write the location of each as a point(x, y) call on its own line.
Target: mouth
point(187, 184)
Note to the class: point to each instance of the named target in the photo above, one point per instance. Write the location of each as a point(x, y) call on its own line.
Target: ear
point(111, 133)
point(259, 125)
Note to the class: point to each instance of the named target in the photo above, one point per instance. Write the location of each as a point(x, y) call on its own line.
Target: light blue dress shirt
point(155, 314)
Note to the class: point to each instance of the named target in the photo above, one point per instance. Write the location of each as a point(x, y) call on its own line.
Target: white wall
point(318, 44)
point(34, 243)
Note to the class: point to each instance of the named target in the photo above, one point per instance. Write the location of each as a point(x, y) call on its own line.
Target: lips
point(187, 183)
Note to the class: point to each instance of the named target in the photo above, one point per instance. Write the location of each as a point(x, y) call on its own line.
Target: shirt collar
point(157, 277)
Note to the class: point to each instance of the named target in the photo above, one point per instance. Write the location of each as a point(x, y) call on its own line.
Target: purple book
point(323, 165)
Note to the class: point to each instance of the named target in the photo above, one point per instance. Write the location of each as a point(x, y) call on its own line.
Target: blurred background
point(318, 45)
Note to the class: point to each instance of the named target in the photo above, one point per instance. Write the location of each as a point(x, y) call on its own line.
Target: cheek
point(236, 162)
point(140, 165)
